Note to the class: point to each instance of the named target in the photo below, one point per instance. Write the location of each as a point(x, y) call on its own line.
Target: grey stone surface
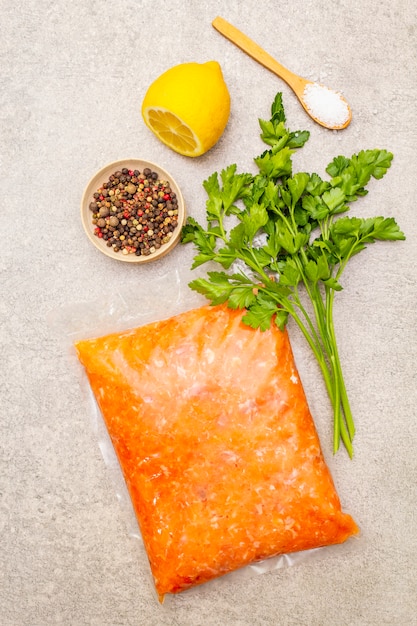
point(73, 75)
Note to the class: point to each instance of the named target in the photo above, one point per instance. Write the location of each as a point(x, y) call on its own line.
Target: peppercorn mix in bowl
point(133, 211)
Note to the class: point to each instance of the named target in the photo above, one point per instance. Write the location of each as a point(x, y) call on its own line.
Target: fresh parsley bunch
point(283, 242)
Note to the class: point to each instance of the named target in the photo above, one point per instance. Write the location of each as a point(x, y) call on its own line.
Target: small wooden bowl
point(96, 183)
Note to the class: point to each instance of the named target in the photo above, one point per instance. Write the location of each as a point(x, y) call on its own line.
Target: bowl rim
point(94, 183)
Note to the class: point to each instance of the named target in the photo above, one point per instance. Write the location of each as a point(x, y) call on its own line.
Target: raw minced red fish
point(216, 442)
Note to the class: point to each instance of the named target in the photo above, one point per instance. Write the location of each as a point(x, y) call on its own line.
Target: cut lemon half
point(188, 107)
point(173, 132)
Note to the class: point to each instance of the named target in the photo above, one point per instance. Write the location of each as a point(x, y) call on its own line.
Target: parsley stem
point(337, 422)
point(343, 393)
point(310, 334)
point(343, 421)
point(313, 332)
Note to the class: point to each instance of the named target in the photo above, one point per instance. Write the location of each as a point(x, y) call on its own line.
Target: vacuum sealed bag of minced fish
point(217, 446)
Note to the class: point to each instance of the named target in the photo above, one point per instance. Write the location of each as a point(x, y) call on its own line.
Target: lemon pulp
point(172, 131)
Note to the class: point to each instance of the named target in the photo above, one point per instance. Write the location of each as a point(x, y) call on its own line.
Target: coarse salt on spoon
point(325, 106)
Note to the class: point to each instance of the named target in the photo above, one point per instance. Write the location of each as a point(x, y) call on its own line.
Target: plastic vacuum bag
point(212, 434)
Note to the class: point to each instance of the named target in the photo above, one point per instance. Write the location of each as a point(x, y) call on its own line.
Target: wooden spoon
point(325, 106)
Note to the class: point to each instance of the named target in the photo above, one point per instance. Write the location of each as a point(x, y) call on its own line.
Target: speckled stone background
point(73, 75)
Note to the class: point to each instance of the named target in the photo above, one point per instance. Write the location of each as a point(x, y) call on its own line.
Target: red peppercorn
point(167, 196)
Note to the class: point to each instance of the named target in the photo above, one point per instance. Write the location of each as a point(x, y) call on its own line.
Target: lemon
point(188, 107)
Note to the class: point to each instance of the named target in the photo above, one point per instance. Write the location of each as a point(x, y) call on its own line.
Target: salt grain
point(326, 105)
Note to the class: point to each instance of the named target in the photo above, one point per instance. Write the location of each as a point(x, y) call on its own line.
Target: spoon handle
point(251, 48)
